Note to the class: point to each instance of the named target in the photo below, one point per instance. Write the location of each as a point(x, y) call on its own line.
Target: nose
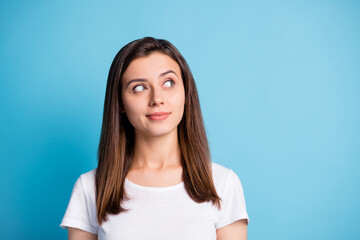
point(156, 98)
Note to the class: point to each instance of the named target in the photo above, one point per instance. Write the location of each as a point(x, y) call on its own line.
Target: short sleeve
point(78, 213)
point(233, 206)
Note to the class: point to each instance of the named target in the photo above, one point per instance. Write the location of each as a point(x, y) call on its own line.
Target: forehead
point(151, 65)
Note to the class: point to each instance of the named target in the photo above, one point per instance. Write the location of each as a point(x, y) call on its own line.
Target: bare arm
point(78, 234)
point(234, 231)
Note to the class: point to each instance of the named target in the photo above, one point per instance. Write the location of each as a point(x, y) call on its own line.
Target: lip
point(157, 116)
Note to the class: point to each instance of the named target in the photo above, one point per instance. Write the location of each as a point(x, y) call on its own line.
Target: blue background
point(279, 85)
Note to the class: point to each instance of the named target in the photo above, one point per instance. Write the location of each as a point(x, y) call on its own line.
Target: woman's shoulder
point(230, 190)
point(220, 169)
point(222, 175)
point(87, 181)
point(88, 176)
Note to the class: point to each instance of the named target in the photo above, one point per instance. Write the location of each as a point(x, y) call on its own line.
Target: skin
point(77, 234)
point(161, 89)
point(154, 84)
point(235, 231)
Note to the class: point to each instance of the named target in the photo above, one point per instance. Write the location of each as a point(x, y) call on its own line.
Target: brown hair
point(117, 135)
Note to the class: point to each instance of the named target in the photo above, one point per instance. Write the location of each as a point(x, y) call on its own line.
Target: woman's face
point(153, 95)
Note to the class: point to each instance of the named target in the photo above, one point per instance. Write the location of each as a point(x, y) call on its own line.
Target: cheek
point(182, 97)
point(132, 113)
point(131, 105)
point(179, 101)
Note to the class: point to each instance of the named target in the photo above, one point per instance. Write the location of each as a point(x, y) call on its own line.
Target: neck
point(156, 153)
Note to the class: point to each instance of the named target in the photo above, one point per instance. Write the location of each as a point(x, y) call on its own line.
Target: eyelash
point(133, 89)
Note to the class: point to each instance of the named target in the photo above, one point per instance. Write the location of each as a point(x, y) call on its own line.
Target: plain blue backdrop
point(279, 86)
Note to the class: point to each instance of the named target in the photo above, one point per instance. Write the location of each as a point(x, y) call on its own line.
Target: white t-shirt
point(158, 212)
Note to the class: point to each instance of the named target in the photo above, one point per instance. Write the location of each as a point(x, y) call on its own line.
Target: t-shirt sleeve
point(233, 206)
point(80, 212)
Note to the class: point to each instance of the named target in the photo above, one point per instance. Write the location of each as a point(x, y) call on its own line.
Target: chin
point(160, 132)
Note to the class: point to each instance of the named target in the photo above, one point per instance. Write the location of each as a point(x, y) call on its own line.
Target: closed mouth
point(156, 114)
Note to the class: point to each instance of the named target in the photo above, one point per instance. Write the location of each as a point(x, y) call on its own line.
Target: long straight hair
point(117, 138)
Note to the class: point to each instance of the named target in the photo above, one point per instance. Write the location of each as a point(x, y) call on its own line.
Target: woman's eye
point(138, 88)
point(169, 83)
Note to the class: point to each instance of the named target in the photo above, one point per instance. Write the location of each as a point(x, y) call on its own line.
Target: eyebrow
point(144, 80)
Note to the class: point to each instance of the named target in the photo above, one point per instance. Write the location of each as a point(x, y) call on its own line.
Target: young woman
point(155, 178)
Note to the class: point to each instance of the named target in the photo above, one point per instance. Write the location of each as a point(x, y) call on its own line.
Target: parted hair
point(116, 146)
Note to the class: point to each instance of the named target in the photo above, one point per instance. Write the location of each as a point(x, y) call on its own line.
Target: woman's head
point(140, 50)
point(117, 138)
point(153, 95)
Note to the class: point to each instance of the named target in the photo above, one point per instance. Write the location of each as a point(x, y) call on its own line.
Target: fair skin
point(154, 84)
